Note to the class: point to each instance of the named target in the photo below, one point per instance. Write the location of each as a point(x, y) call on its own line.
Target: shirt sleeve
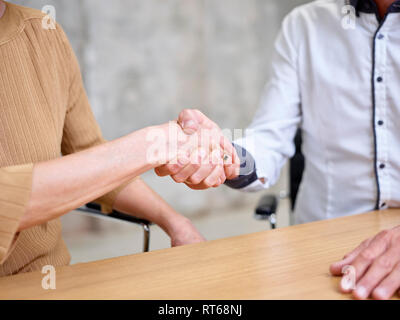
point(270, 137)
point(15, 191)
point(81, 131)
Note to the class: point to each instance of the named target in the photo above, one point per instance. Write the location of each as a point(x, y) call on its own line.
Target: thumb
point(188, 121)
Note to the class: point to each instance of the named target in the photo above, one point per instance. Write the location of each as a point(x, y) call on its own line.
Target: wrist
point(166, 140)
point(155, 142)
point(173, 222)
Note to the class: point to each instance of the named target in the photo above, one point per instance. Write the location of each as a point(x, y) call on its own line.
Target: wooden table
point(287, 263)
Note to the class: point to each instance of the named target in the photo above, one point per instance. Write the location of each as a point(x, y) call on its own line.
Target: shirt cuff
point(15, 192)
point(247, 173)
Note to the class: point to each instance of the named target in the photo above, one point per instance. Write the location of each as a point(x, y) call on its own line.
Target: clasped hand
point(199, 154)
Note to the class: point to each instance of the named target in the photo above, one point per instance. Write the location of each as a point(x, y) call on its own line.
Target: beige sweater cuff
point(15, 191)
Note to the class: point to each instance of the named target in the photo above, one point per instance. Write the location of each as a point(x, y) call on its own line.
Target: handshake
point(192, 150)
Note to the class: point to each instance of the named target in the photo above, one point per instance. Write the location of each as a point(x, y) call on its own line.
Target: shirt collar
point(369, 6)
point(10, 23)
point(13, 20)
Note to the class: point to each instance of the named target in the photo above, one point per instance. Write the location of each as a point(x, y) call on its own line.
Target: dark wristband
point(247, 174)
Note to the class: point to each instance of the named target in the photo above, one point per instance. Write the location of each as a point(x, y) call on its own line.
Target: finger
point(232, 171)
point(380, 268)
point(163, 170)
point(199, 186)
point(214, 178)
point(195, 163)
point(376, 247)
point(336, 268)
point(192, 119)
point(189, 122)
point(231, 159)
point(388, 287)
point(228, 149)
point(201, 174)
point(185, 173)
point(221, 178)
point(217, 159)
point(174, 166)
point(204, 121)
point(170, 169)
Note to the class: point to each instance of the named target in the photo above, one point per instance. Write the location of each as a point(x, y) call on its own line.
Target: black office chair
point(268, 204)
point(95, 210)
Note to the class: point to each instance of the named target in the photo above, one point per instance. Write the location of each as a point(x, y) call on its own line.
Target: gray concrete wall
point(145, 60)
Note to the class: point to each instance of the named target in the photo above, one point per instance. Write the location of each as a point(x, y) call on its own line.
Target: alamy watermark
point(349, 17)
point(349, 278)
point(49, 20)
point(205, 146)
point(49, 280)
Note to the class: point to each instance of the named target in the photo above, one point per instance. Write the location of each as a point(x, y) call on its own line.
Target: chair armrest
point(266, 207)
point(94, 208)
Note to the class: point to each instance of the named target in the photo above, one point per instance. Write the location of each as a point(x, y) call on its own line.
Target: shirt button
point(380, 36)
point(379, 79)
point(382, 166)
point(380, 122)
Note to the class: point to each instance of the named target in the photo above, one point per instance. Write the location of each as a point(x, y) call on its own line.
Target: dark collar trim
point(369, 6)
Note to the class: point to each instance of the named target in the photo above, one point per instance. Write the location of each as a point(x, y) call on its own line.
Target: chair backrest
point(296, 169)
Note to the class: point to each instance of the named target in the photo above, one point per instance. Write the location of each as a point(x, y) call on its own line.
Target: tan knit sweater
point(44, 112)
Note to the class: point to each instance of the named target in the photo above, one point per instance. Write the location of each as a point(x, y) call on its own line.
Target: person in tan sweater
point(45, 113)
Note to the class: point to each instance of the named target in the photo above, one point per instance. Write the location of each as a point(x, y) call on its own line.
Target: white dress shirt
point(340, 83)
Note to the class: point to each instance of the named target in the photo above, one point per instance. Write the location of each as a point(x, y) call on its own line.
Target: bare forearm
point(141, 201)
point(66, 183)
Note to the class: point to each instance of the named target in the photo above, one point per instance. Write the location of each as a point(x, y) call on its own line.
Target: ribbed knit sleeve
point(81, 130)
point(15, 190)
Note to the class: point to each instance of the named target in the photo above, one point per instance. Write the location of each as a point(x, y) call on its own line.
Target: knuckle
point(178, 179)
point(367, 254)
point(364, 243)
point(174, 168)
point(346, 256)
point(195, 180)
point(195, 166)
point(183, 114)
point(185, 111)
point(217, 184)
point(384, 263)
point(385, 234)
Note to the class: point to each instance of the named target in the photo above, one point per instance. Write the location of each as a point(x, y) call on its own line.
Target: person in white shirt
point(336, 75)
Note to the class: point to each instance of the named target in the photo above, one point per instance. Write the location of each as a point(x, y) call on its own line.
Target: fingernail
point(189, 126)
point(380, 293)
point(361, 292)
point(189, 123)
